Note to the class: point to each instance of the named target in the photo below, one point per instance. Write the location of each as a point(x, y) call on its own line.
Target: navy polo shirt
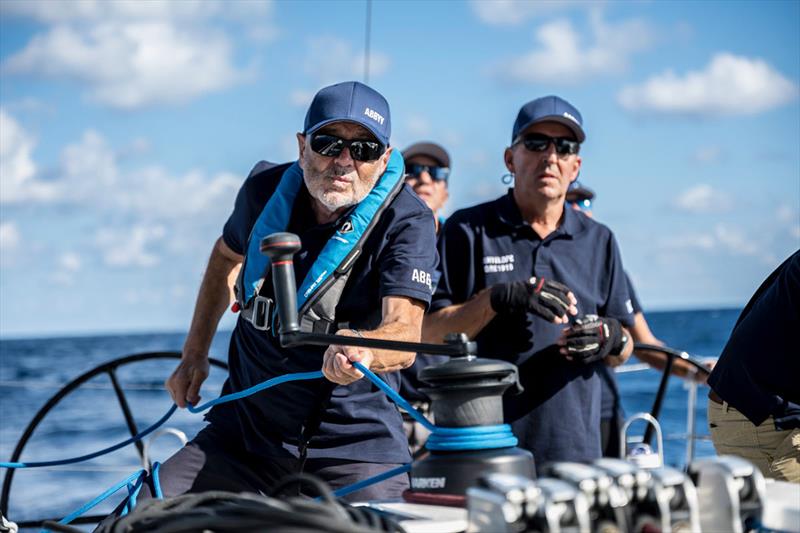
point(358, 421)
point(635, 303)
point(758, 372)
point(611, 406)
point(489, 244)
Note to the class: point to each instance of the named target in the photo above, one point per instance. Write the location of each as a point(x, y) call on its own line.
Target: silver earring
point(507, 179)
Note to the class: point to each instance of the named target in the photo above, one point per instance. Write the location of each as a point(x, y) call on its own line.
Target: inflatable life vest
point(321, 289)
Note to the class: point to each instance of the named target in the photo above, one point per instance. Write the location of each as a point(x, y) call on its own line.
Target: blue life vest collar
point(338, 254)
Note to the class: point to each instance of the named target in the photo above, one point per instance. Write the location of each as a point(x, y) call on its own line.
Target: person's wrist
point(194, 355)
point(621, 345)
point(619, 336)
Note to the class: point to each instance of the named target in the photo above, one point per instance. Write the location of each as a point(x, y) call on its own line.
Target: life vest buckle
point(260, 315)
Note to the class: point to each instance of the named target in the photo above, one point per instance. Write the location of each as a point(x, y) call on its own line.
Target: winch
point(466, 392)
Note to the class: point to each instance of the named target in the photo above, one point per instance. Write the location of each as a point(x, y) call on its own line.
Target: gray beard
point(335, 201)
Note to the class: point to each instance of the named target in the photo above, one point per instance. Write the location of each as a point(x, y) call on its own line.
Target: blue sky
point(126, 129)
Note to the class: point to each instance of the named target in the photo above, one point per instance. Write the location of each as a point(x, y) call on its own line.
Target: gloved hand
point(549, 299)
point(592, 338)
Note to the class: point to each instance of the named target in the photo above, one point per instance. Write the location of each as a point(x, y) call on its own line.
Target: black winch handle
point(280, 248)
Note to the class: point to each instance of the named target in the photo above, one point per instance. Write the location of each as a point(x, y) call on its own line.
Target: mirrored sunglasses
point(360, 150)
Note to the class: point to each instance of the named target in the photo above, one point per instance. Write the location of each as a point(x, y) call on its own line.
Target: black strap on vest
point(314, 420)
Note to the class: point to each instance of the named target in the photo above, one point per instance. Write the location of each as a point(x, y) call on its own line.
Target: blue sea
point(90, 418)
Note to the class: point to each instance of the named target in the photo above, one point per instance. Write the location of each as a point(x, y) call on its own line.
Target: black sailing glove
point(592, 338)
point(547, 298)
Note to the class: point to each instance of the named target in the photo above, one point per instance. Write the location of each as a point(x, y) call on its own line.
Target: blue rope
point(133, 494)
point(156, 482)
point(372, 480)
point(104, 451)
point(86, 507)
point(297, 376)
point(222, 399)
point(445, 438)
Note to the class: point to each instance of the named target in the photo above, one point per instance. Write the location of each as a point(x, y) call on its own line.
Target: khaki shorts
point(776, 453)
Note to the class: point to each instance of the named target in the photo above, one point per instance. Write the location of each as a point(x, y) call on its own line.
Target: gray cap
point(430, 149)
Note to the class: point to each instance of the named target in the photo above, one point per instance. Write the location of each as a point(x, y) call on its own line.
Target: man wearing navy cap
point(540, 286)
point(347, 187)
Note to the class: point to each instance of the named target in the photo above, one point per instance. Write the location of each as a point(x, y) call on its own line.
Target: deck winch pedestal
point(466, 392)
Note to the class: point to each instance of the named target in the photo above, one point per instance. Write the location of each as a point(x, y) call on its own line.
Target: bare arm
point(402, 321)
point(214, 297)
point(642, 334)
point(469, 317)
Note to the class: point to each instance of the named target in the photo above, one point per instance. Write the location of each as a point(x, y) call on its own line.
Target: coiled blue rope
point(444, 438)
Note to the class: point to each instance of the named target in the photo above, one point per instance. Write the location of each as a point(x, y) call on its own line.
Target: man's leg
point(211, 462)
point(339, 473)
point(609, 436)
point(776, 453)
point(784, 449)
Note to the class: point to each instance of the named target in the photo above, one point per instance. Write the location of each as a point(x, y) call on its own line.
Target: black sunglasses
point(436, 173)
point(360, 150)
point(537, 142)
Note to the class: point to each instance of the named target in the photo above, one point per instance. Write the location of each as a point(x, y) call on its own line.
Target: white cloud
point(10, 240)
point(703, 198)
point(132, 65)
point(418, 126)
point(89, 174)
point(729, 85)
point(722, 238)
point(735, 241)
point(790, 218)
point(30, 104)
point(786, 214)
point(516, 12)
point(691, 241)
point(330, 59)
point(137, 147)
point(565, 56)
point(147, 297)
point(18, 181)
point(87, 168)
point(155, 193)
point(707, 154)
point(9, 237)
point(301, 98)
point(131, 247)
point(69, 263)
point(254, 14)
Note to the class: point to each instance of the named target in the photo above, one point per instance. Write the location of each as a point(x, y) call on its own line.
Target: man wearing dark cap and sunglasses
point(538, 285)
point(344, 195)
point(427, 172)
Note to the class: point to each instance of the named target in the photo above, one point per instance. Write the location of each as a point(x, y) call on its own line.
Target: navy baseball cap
point(549, 109)
point(578, 193)
point(350, 101)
